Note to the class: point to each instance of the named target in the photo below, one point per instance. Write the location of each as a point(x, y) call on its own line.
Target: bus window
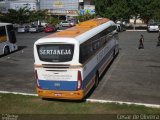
point(3, 37)
point(55, 52)
point(86, 51)
point(11, 34)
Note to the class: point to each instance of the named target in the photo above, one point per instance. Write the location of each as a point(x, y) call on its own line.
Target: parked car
point(36, 28)
point(23, 29)
point(50, 28)
point(153, 27)
point(73, 22)
point(120, 27)
point(66, 24)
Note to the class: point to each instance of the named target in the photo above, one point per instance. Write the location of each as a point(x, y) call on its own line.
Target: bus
point(7, 39)
point(69, 63)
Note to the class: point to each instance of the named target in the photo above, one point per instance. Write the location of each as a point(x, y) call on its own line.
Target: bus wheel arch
point(6, 50)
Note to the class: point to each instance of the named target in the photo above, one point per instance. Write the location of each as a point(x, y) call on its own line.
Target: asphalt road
point(134, 76)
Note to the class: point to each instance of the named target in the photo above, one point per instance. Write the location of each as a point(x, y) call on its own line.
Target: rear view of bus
point(69, 63)
point(57, 70)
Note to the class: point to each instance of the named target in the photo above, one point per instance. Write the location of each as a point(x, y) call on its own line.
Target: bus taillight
point(36, 77)
point(79, 81)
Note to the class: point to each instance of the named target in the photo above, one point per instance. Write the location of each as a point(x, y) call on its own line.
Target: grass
point(10, 103)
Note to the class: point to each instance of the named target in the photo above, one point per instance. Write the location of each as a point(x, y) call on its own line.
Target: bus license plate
point(58, 94)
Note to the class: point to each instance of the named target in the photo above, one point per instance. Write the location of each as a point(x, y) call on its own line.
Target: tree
point(144, 9)
point(20, 16)
point(113, 9)
point(85, 17)
point(125, 9)
point(102, 6)
point(23, 15)
point(52, 20)
point(149, 9)
point(41, 14)
point(156, 16)
point(118, 9)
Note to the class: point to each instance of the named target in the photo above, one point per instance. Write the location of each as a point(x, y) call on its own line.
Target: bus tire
point(6, 50)
point(96, 80)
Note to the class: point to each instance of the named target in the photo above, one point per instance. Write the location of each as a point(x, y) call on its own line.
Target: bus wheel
point(6, 51)
point(96, 80)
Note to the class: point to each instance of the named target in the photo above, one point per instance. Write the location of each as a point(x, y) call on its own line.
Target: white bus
point(7, 39)
point(69, 63)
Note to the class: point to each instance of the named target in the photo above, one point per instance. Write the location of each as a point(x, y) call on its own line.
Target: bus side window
point(94, 45)
point(3, 37)
point(11, 34)
point(103, 40)
point(86, 52)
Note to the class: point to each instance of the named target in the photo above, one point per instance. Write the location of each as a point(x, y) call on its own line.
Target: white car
point(23, 29)
point(37, 28)
point(66, 24)
point(153, 27)
point(120, 27)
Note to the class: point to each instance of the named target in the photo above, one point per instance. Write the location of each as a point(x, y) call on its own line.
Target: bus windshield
point(55, 52)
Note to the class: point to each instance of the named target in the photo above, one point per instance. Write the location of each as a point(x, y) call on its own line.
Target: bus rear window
point(55, 52)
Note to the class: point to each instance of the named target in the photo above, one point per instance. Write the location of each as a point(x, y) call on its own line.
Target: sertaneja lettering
point(56, 52)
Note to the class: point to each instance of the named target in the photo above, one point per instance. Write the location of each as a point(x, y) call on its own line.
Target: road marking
point(93, 100)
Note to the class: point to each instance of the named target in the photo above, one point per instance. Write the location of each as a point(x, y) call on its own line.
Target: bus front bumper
point(70, 95)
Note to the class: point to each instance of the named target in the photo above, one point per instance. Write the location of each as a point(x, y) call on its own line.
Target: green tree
point(85, 17)
point(144, 9)
point(41, 14)
point(38, 15)
point(148, 9)
point(125, 9)
point(16, 16)
point(113, 9)
point(118, 9)
point(20, 16)
point(23, 15)
point(102, 6)
point(52, 20)
point(156, 15)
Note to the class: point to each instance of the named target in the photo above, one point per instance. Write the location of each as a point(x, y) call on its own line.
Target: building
point(4, 6)
point(30, 4)
point(16, 4)
point(61, 7)
point(54, 7)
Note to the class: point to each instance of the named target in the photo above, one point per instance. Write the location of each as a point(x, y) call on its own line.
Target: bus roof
point(80, 28)
point(2, 24)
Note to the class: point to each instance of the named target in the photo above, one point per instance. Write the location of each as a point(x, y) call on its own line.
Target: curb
point(121, 103)
point(18, 93)
point(135, 30)
point(94, 100)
